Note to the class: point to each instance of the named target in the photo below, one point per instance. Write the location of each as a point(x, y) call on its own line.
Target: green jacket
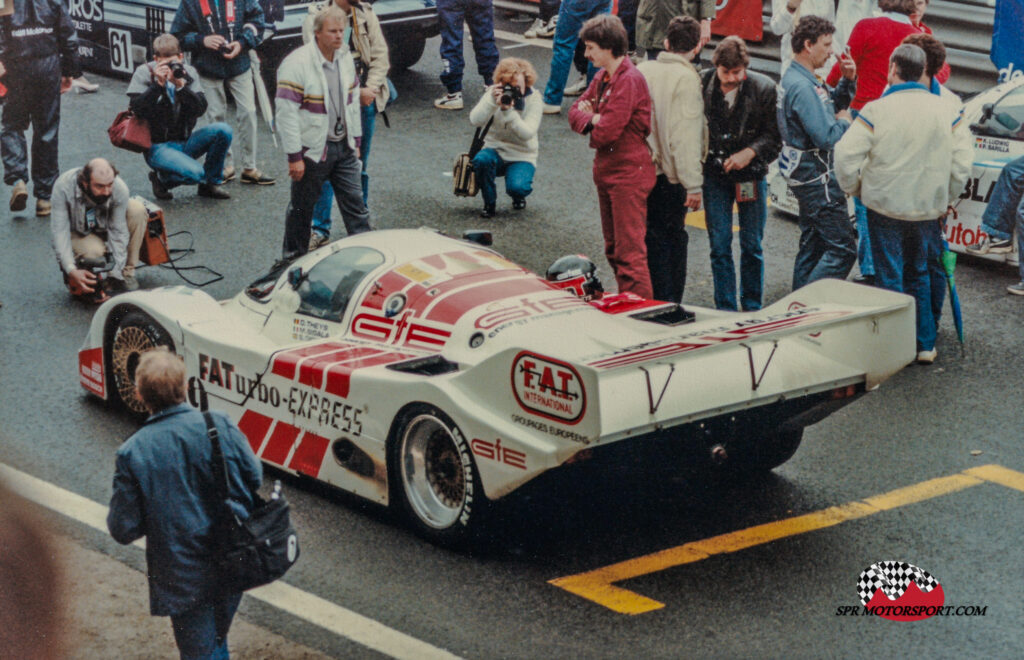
point(652, 18)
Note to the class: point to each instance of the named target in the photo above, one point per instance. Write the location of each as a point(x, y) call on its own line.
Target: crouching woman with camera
point(510, 146)
point(166, 93)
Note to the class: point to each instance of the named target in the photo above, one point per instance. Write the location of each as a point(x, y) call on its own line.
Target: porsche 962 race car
point(431, 374)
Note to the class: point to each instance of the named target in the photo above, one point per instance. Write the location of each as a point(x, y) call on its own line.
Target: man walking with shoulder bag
point(165, 489)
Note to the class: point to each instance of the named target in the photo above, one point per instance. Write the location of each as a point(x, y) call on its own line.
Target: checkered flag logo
point(893, 578)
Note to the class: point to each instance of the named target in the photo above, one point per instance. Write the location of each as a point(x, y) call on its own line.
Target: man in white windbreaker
point(318, 119)
point(901, 156)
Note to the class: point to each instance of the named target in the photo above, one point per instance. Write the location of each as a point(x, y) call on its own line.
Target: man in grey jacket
point(810, 128)
point(93, 215)
point(653, 17)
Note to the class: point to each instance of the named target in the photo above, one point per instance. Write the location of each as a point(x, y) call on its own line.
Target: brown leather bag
point(130, 132)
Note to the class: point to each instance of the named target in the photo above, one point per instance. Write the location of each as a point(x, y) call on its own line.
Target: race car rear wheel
point(136, 333)
point(435, 478)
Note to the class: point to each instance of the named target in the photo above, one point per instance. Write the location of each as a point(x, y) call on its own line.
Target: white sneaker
point(547, 31)
point(576, 88)
point(927, 357)
point(316, 239)
point(552, 109)
point(533, 31)
point(449, 102)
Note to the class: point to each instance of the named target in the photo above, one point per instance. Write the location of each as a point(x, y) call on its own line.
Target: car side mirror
point(986, 113)
point(295, 277)
point(479, 236)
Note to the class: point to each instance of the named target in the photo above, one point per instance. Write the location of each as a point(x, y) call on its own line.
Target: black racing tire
point(433, 479)
point(406, 50)
point(136, 333)
point(765, 453)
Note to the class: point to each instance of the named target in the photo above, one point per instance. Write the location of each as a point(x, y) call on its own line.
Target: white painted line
point(516, 46)
point(306, 606)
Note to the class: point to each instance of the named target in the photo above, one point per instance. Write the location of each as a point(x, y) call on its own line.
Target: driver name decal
point(548, 388)
point(90, 371)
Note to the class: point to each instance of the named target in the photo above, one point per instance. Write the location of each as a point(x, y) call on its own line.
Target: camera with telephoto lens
point(178, 70)
point(510, 94)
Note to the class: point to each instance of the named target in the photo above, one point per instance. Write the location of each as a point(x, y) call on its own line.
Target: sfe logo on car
point(548, 388)
point(495, 452)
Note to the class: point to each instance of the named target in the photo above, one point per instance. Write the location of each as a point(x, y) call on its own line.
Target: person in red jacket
point(615, 112)
point(917, 19)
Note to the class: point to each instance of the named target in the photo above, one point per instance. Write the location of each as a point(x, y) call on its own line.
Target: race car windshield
point(326, 290)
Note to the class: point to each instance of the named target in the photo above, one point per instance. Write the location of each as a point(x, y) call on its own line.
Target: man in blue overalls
point(810, 128)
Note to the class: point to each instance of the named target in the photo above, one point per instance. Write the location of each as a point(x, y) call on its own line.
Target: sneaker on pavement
point(552, 109)
point(212, 191)
point(19, 196)
point(160, 191)
point(449, 102)
point(1016, 289)
point(548, 30)
point(989, 245)
point(534, 29)
point(129, 283)
point(256, 177)
point(519, 204)
point(927, 357)
point(229, 173)
point(577, 87)
point(316, 239)
point(43, 207)
point(488, 211)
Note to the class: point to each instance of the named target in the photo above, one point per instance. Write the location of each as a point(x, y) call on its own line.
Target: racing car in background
point(996, 120)
point(431, 374)
point(116, 35)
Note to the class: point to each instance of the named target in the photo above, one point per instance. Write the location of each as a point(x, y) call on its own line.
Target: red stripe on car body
point(311, 371)
point(286, 361)
point(281, 440)
point(339, 376)
point(255, 427)
point(309, 455)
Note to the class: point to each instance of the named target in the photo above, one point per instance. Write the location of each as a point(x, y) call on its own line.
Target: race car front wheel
point(136, 333)
point(435, 477)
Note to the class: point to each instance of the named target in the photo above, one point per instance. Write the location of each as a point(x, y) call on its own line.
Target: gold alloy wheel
point(129, 344)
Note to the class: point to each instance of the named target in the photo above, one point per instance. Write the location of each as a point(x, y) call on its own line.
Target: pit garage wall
point(964, 26)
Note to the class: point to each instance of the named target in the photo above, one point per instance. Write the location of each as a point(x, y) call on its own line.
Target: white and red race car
point(996, 120)
point(430, 373)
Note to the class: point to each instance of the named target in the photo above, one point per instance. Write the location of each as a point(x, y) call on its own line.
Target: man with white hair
point(902, 157)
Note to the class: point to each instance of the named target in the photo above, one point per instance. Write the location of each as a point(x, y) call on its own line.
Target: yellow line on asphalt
point(598, 585)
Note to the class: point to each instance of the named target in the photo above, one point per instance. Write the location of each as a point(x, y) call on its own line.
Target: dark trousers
point(667, 240)
point(479, 16)
point(548, 9)
point(342, 168)
point(202, 632)
point(828, 240)
point(33, 97)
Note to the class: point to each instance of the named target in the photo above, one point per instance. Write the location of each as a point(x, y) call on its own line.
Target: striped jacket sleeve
point(290, 90)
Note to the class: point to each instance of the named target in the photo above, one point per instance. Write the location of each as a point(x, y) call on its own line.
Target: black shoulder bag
point(463, 176)
point(256, 551)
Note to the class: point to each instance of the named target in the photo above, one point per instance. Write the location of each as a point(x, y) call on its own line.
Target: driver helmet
point(578, 274)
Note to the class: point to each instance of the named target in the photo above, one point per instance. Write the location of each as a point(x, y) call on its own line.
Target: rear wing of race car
point(828, 335)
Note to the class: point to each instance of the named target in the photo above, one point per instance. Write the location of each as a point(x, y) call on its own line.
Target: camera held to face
point(510, 94)
point(178, 71)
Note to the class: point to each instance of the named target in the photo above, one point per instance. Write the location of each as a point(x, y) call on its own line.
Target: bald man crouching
point(92, 215)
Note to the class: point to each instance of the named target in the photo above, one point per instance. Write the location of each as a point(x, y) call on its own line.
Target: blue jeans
point(571, 16)
point(202, 632)
point(479, 16)
point(175, 162)
point(322, 210)
point(901, 250)
point(1006, 202)
point(518, 174)
point(719, 196)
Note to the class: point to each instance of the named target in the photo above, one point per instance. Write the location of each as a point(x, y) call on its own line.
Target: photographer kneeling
point(510, 147)
point(166, 93)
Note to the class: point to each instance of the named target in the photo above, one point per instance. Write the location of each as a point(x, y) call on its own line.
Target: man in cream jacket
point(318, 120)
point(679, 139)
point(903, 158)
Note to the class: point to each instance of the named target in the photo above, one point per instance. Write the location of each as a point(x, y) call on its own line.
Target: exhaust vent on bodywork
point(665, 315)
point(434, 365)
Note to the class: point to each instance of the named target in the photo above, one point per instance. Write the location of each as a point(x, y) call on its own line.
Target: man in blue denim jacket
point(164, 490)
point(810, 128)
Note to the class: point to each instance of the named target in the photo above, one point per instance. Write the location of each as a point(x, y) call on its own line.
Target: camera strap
point(478, 138)
point(229, 9)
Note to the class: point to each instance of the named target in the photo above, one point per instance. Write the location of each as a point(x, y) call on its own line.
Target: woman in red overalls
point(616, 112)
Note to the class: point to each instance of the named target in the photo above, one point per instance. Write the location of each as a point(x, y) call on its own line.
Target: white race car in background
point(996, 120)
point(418, 370)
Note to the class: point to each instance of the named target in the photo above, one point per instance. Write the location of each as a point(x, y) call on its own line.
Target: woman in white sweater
point(510, 147)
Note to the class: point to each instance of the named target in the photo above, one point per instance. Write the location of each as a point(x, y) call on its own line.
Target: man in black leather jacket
point(744, 137)
point(166, 93)
point(39, 51)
